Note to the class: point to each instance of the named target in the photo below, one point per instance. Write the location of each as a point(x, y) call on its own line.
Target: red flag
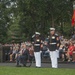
point(73, 18)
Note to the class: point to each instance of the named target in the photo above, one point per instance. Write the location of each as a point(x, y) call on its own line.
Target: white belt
point(52, 43)
point(36, 44)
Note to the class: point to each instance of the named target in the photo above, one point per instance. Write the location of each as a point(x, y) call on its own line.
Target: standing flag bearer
point(37, 48)
point(53, 45)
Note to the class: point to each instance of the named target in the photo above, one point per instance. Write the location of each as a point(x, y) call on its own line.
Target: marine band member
point(37, 49)
point(53, 45)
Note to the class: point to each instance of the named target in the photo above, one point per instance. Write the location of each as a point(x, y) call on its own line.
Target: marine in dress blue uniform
point(37, 47)
point(53, 44)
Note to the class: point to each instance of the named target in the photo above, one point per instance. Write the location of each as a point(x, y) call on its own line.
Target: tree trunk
point(53, 21)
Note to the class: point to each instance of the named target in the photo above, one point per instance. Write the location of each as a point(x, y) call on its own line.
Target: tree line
point(19, 19)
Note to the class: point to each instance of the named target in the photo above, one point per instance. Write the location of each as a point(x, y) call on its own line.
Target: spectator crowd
point(66, 50)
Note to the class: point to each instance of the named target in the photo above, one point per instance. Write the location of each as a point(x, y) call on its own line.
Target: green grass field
point(35, 71)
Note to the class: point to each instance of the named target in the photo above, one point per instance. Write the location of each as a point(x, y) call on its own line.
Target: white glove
point(40, 51)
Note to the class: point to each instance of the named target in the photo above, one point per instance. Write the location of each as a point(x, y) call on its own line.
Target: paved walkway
point(44, 65)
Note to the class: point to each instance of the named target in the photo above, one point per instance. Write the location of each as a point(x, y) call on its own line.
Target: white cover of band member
point(52, 29)
point(37, 33)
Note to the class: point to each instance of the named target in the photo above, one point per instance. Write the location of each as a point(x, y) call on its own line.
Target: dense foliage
point(19, 19)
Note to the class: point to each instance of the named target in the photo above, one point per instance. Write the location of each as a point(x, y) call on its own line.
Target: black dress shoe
point(24, 65)
point(38, 67)
point(18, 65)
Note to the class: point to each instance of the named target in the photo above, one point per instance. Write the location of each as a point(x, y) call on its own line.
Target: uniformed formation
point(52, 43)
